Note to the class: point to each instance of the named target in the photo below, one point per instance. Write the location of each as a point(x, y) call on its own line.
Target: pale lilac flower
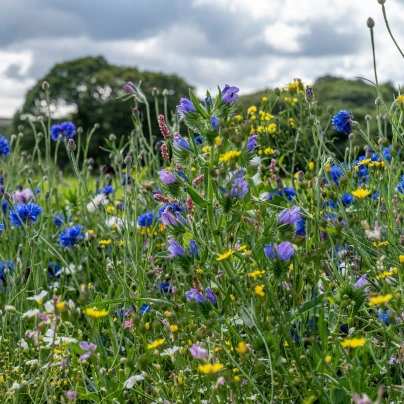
point(89, 347)
point(166, 177)
point(175, 249)
point(289, 216)
point(23, 196)
point(285, 251)
point(197, 352)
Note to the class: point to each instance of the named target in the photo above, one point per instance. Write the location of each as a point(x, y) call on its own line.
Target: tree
point(86, 92)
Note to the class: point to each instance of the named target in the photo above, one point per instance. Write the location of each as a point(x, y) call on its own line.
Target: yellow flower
point(180, 380)
point(206, 149)
point(272, 128)
point(218, 140)
point(364, 162)
point(269, 116)
point(328, 167)
point(292, 122)
point(90, 232)
point(174, 328)
point(236, 378)
point(251, 110)
point(259, 290)
point(199, 271)
point(95, 313)
point(255, 274)
point(380, 299)
point(156, 343)
point(264, 99)
point(328, 358)
point(209, 368)
point(232, 297)
point(353, 343)
point(311, 165)
point(401, 259)
point(239, 117)
point(60, 305)
point(193, 169)
point(225, 255)
point(268, 150)
point(105, 242)
point(147, 326)
point(241, 347)
point(400, 99)
point(385, 274)
point(110, 209)
point(380, 243)
point(361, 193)
point(229, 155)
point(168, 313)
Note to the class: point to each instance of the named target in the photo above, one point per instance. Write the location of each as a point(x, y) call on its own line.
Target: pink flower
point(128, 324)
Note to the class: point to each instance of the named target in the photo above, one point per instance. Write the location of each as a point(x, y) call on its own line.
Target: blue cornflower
point(165, 287)
point(58, 220)
point(252, 143)
point(185, 107)
point(336, 173)
point(342, 122)
point(2, 228)
point(289, 192)
point(65, 129)
point(331, 204)
point(199, 139)
point(5, 267)
point(214, 122)
point(70, 236)
point(180, 143)
point(194, 294)
point(54, 270)
point(145, 219)
point(301, 227)
point(347, 199)
point(108, 189)
point(24, 213)
point(145, 308)
point(4, 146)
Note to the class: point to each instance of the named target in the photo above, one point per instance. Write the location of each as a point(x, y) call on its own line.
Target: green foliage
point(88, 90)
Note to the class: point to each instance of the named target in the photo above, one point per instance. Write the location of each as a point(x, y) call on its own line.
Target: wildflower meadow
point(238, 258)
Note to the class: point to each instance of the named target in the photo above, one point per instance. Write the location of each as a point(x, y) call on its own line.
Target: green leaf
point(197, 105)
point(197, 198)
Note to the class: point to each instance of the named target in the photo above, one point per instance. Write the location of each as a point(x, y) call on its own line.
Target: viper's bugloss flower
point(4, 146)
point(229, 94)
point(89, 347)
point(185, 107)
point(300, 227)
point(175, 249)
point(24, 213)
point(108, 189)
point(166, 177)
point(180, 142)
point(214, 122)
point(210, 295)
point(289, 216)
point(239, 188)
point(194, 294)
point(169, 219)
point(193, 248)
point(252, 143)
point(199, 139)
point(285, 251)
point(309, 94)
point(342, 121)
point(175, 207)
point(289, 192)
point(269, 251)
point(2, 228)
point(70, 236)
point(145, 219)
point(145, 308)
point(362, 281)
point(65, 129)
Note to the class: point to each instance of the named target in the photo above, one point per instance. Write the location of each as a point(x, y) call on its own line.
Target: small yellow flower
point(218, 140)
point(264, 99)
point(353, 343)
point(269, 150)
point(180, 380)
point(199, 271)
point(174, 328)
point(236, 370)
point(311, 165)
point(229, 155)
point(272, 128)
point(105, 242)
point(364, 162)
point(361, 193)
point(241, 347)
point(95, 313)
point(60, 305)
point(90, 232)
point(380, 243)
point(328, 167)
point(193, 169)
point(225, 255)
point(236, 378)
point(209, 368)
point(400, 99)
point(259, 290)
point(156, 343)
point(206, 149)
point(239, 117)
point(110, 209)
point(233, 298)
point(328, 358)
point(380, 299)
point(255, 274)
point(385, 274)
point(168, 313)
point(251, 110)
point(401, 259)
point(147, 326)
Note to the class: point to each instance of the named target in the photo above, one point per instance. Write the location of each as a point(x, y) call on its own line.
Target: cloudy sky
point(253, 44)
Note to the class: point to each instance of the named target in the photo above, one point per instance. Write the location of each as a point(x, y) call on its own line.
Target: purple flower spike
point(289, 216)
point(193, 294)
point(181, 143)
point(229, 94)
point(252, 143)
point(175, 249)
point(210, 295)
point(285, 251)
point(269, 251)
point(166, 177)
point(240, 188)
point(185, 107)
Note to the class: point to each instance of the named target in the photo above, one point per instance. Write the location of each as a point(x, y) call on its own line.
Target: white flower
point(24, 344)
point(38, 298)
point(170, 351)
point(31, 362)
point(14, 388)
point(30, 313)
point(53, 339)
point(132, 380)
point(115, 221)
point(9, 308)
point(99, 200)
point(255, 161)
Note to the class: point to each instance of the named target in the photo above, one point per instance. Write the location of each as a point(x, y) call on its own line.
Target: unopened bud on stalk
point(371, 23)
point(155, 92)
point(165, 92)
point(368, 117)
point(80, 130)
point(277, 92)
point(96, 125)
point(351, 136)
point(135, 112)
point(45, 85)
point(7, 196)
point(71, 145)
point(378, 101)
point(31, 242)
point(128, 160)
point(381, 1)
point(112, 137)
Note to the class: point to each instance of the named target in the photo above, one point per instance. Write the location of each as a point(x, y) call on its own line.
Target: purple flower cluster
point(65, 129)
point(194, 294)
point(284, 251)
point(229, 94)
point(166, 177)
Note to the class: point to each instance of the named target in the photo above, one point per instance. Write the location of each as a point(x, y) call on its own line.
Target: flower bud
point(45, 85)
point(135, 112)
point(128, 160)
point(381, 1)
point(371, 23)
point(378, 101)
point(96, 126)
point(112, 137)
point(165, 92)
point(368, 117)
point(71, 145)
point(155, 92)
